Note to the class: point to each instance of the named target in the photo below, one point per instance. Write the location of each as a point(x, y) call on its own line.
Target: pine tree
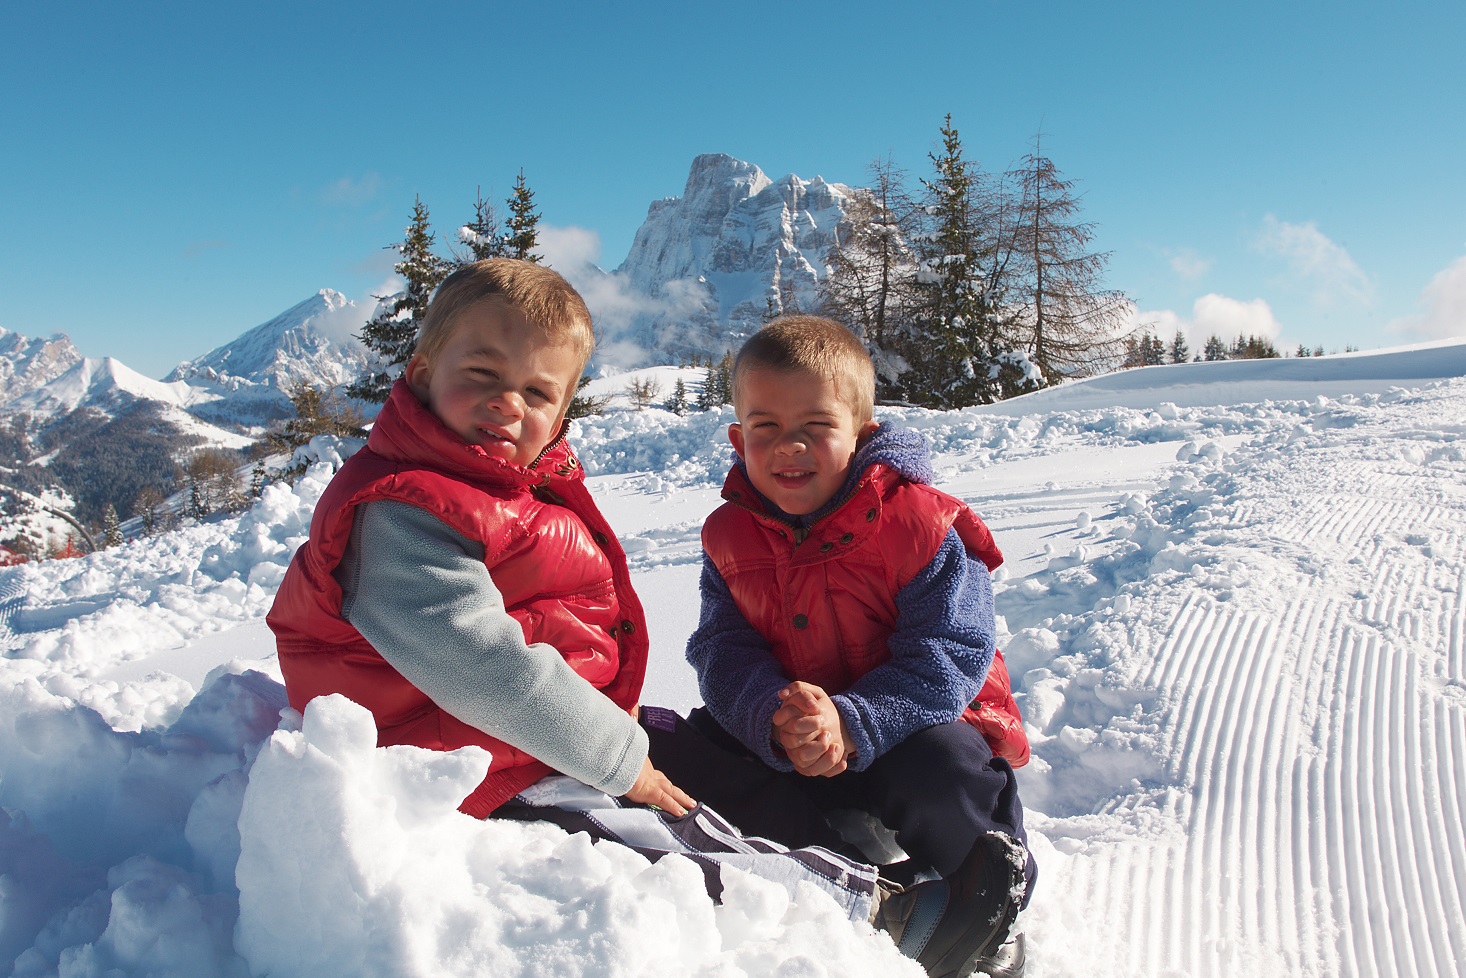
point(317, 412)
point(482, 236)
point(149, 506)
point(391, 333)
point(1073, 321)
point(1180, 353)
point(257, 479)
point(717, 386)
point(583, 405)
point(1214, 349)
point(521, 238)
point(677, 401)
point(952, 342)
point(198, 507)
point(111, 527)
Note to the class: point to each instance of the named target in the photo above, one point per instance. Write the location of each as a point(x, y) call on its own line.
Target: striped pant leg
point(701, 835)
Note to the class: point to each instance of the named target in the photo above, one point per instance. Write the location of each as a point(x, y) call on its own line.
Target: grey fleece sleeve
point(420, 593)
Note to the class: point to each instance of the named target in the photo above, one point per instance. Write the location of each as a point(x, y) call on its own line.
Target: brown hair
point(812, 345)
point(544, 297)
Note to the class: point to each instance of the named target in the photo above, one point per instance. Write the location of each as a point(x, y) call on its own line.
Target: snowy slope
point(1238, 629)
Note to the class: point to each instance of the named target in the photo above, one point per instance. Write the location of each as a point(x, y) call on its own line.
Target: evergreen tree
point(1072, 320)
point(582, 405)
point(198, 508)
point(952, 342)
point(111, 527)
point(149, 506)
point(257, 478)
point(482, 237)
point(1253, 348)
point(677, 401)
point(391, 333)
point(1180, 353)
point(717, 386)
point(521, 238)
point(1214, 349)
point(317, 412)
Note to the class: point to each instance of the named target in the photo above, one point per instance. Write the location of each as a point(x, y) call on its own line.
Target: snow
point(1234, 605)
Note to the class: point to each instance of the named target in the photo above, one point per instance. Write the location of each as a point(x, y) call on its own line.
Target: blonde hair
point(541, 294)
point(812, 345)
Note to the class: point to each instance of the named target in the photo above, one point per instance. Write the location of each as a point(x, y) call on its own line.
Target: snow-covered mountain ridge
point(312, 342)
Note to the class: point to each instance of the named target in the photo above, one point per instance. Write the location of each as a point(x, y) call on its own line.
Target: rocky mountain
point(704, 267)
point(246, 379)
point(26, 364)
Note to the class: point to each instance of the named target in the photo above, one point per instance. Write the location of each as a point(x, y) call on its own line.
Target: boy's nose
point(792, 445)
point(507, 402)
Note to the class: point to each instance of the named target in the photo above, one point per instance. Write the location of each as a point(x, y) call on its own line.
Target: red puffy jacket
point(559, 567)
point(828, 605)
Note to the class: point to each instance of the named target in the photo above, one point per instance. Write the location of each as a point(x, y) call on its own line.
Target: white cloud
point(1442, 306)
point(1213, 315)
point(1314, 258)
point(1189, 265)
point(613, 303)
point(352, 191)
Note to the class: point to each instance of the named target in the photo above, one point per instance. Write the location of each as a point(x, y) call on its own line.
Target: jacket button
point(627, 626)
point(801, 621)
point(599, 538)
point(870, 515)
point(846, 537)
point(826, 547)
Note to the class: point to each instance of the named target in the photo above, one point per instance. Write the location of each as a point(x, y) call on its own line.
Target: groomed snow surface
point(1235, 609)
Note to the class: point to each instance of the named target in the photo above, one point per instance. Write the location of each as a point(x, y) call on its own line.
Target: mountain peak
point(707, 263)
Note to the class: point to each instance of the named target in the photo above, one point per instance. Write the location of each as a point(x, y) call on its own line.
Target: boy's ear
point(417, 373)
point(735, 437)
point(866, 430)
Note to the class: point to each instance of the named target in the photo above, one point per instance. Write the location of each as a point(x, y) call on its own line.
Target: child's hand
point(653, 788)
point(810, 729)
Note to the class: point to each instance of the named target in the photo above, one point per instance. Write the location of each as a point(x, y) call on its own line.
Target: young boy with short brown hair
point(847, 625)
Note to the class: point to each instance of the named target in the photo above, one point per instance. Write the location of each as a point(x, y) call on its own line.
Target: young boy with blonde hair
point(847, 636)
point(461, 584)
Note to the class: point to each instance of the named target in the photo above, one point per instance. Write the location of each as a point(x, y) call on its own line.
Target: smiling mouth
point(495, 436)
point(792, 478)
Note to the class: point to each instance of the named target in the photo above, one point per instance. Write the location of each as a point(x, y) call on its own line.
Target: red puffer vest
point(828, 605)
point(559, 567)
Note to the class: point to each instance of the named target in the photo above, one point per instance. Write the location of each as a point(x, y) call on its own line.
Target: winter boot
point(951, 925)
point(1008, 961)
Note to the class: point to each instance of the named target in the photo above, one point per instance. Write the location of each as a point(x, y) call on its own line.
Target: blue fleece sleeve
point(941, 651)
point(736, 670)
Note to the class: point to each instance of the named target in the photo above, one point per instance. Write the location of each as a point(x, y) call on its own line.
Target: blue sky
point(172, 174)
